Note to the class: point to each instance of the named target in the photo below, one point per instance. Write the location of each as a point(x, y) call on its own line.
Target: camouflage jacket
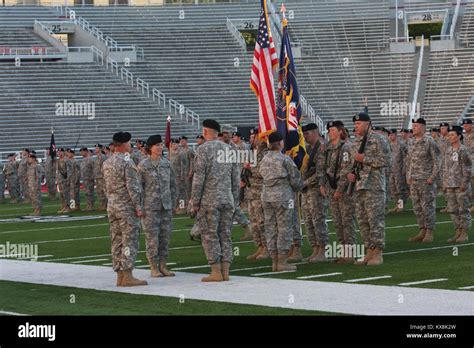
point(50, 166)
point(469, 143)
point(33, 173)
point(423, 159)
point(23, 167)
point(457, 167)
point(256, 180)
point(313, 173)
point(64, 169)
point(10, 170)
point(98, 163)
point(337, 156)
point(75, 171)
point(399, 152)
point(87, 168)
point(186, 159)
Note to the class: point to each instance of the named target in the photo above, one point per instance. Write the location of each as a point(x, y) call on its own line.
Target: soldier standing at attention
point(125, 207)
point(281, 181)
point(50, 168)
point(397, 178)
point(87, 175)
point(423, 167)
point(215, 194)
point(34, 183)
point(159, 196)
point(469, 143)
point(176, 166)
point(186, 158)
point(11, 177)
point(443, 144)
point(63, 175)
point(74, 181)
point(99, 176)
point(369, 189)
point(314, 204)
point(457, 171)
point(22, 175)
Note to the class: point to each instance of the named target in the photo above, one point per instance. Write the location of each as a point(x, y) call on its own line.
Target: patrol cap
point(212, 124)
point(444, 124)
point(275, 137)
point(122, 137)
point(419, 121)
point(467, 121)
point(236, 134)
point(153, 140)
point(309, 127)
point(361, 116)
point(334, 124)
point(84, 149)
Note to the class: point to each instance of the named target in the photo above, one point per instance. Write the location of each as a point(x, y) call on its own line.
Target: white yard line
point(39, 257)
point(320, 275)
point(13, 313)
point(423, 282)
point(271, 273)
point(52, 228)
point(427, 249)
point(86, 261)
point(367, 279)
point(466, 287)
point(191, 267)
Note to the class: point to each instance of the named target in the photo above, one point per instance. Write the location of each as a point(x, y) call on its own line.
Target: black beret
point(212, 124)
point(444, 124)
point(84, 149)
point(393, 131)
point(107, 148)
point(100, 146)
point(153, 140)
point(334, 124)
point(419, 121)
point(184, 137)
point(200, 137)
point(111, 144)
point(275, 137)
point(219, 134)
point(61, 149)
point(25, 149)
point(434, 129)
point(467, 121)
point(12, 155)
point(254, 130)
point(237, 134)
point(361, 116)
point(138, 141)
point(377, 128)
point(455, 128)
point(309, 126)
point(70, 150)
point(122, 137)
point(32, 154)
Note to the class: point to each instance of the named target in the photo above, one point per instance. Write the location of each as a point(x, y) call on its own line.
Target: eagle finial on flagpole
point(168, 118)
point(283, 10)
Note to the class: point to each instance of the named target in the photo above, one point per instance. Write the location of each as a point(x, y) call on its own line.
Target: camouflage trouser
point(398, 188)
point(458, 207)
point(100, 187)
point(424, 203)
point(371, 217)
point(51, 184)
point(257, 220)
point(387, 191)
point(471, 197)
point(215, 225)
point(74, 191)
point(63, 192)
point(124, 232)
point(315, 210)
point(342, 213)
point(184, 190)
point(157, 225)
point(24, 188)
point(240, 217)
point(12, 186)
point(89, 188)
point(278, 231)
point(2, 187)
point(35, 196)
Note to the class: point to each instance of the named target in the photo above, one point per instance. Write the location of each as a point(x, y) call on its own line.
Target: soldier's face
point(361, 127)
point(418, 129)
point(444, 131)
point(467, 127)
point(157, 149)
point(392, 136)
point(334, 133)
point(30, 160)
point(127, 147)
point(453, 137)
point(199, 141)
point(12, 159)
point(226, 138)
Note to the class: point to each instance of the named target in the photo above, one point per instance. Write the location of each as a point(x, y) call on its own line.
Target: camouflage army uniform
point(87, 175)
point(63, 174)
point(34, 184)
point(185, 158)
point(159, 196)
point(314, 205)
point(443, 143)
point(469, 143)
point(136, 156)
point(50, 167)
point(11, 177)
point(423, 162)
point(2, 186)
point(398, 186)
point(75, 183)
point(337, 160)
point(457, 171)
point(124, 193)
point(176, 166)
point(239, 216)
point(281, 180)
point(215, 192)
point(369, 192)
point(99, 180)
point(23, 179)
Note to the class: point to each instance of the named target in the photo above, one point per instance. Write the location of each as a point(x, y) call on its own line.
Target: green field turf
point(74, 242)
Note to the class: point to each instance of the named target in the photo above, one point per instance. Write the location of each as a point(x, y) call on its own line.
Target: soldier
point(397, 180)
point(314, 203)
point(199, 141)
point(176, 166)
point(11, 176)
point(281, 181)
point(253, 196)
point(215, 194)
point(237, 141)
point(136, 154)
point(457, 172)
point(337, 160)
point(370, 188)
point(99, 176)
point(34, 183)
point(185, 175)
point(50, 167)
point(2, 185)
point(423, 167)
point(87, 174)
point(159, 190)
point(125, 207)
point(434, 132)
point(443, 144)
point(23, 179)
point(63, 176)
point(74, 181)
point(469, 143)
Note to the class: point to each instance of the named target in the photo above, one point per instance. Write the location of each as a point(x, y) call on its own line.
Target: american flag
point(261, 80)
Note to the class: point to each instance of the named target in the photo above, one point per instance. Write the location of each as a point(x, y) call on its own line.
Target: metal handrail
point(236, 33)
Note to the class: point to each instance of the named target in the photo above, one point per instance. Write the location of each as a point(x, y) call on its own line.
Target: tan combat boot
point(393, 210)
point(274, 262)
point(89, 208)
point(292, 249)
point(253, 257)
point(164, 270)
point(456, 236)
point(428, 236)
point(37, 212)
point(283, 264)
point(297, 256)
point(216, 274)
point(376, 258)
point(463, 237)
point(472, 209)
point(130, 280)
point(419, 237)
point(366, 259)
point(320, 256)
point(155, 272)
point(264, 254)
point(248, 235)
point(119, 278)
point(225, 266)
point(313, 255)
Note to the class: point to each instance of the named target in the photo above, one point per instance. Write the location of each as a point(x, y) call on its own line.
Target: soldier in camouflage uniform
point(34, 183)
point(50, 167)
point(314, 204)
point(195, 234)
point(99, 176)
point(457, 172)
point(2, 185)
point(63, 174)
point(185, 176)
point(74, 182)
point(397, 181)
point(337, 160)
point(443, 144)
point(423, 167)
point(87, 175)
point(22, 175)
point(159, 191)
point(281, 181)
point(215, 194)
point(370, 188)
point(136, 154)
point(176, 166)
point(469, 143)
point(11, 176)
point(124, 208)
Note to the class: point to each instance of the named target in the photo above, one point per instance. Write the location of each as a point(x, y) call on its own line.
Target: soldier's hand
point(359, 157)
point(242, 184)
point(351, 177)
point(463, 188)
point(337, 195)
point(323, 191)
point(195, 210)
point(409, 181)
point(140, 213)
point(429, 181)
point(247, 165)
